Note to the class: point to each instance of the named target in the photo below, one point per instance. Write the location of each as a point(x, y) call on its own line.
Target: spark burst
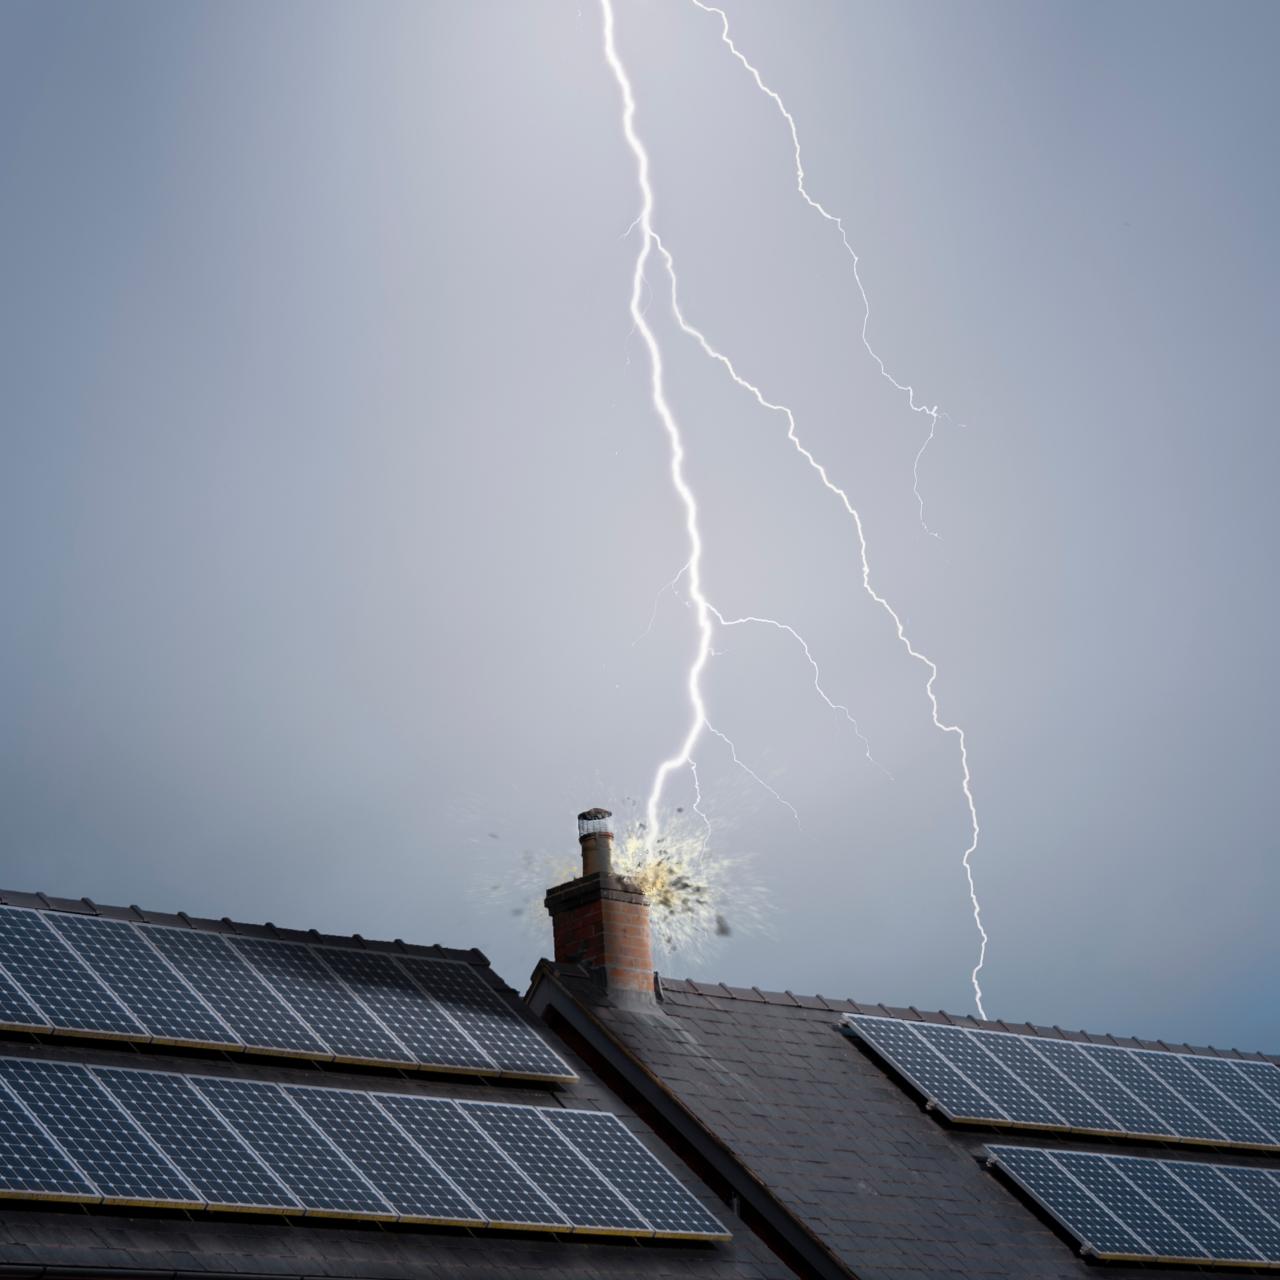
point(705, 612)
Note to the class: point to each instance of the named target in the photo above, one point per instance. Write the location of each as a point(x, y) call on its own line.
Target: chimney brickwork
point(600, 919)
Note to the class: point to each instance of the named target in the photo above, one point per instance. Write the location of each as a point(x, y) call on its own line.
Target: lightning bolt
point(929, 411)
point(704, 611)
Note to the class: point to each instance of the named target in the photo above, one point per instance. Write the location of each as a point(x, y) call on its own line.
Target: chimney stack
point(600, 919)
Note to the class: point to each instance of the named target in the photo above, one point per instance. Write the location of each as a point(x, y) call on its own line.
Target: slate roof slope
point(872, 1184)
point(90, 1241)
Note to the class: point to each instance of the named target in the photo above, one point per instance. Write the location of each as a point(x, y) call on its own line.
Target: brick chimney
point(600, 919)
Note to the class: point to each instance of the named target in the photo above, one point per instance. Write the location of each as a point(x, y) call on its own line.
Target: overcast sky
point(333, 509)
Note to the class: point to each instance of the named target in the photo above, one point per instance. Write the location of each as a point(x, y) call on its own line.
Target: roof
point(834, 1156)
point(40, 1238)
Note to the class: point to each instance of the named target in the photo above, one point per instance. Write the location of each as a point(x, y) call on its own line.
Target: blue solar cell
point(1162, 1235)
point(472, 1162)
point(16, 1011)
point(670, 1208)
point(417, 1021)
point(323, 1179)
point(312, 991)
point(169, 1110)
point(97, 1134)
point(989, 1074)
point(555, 1167)
point(1127, 1067)
point(1040, 1076)
point(1226, 1199)
point(1260, 1185)
point(1222, 1074)
point(493, 1025)
point(404, 1175)
point(31, 1164)
point(1214, 1238)
point(1130, 1114)
point(1089, 1220)
point(55, 981)
point(242, 1000)
point(142, 981)
point(896, 1041)
point(1262, 1075)
point(1190, 1085)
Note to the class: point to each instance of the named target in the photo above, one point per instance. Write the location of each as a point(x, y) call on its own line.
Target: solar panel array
point(1138, 1207)
point(87, 975)
point(123, 1135)
point(1037, 1082)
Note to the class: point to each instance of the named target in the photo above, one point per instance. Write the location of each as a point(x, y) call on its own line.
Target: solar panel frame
point(267, 1120)
point(67, 993)
point(669, 1207)
point(21, 1127)
point(372, 1148)
point(417, 1020)
point(558, 1169)
point(506, 1038)
point(1207, 1100)
point(143, 990)
point(243, 999)
point(924, 1069)
point(174, 1131)
point(322, 1001)
point(98, 1134)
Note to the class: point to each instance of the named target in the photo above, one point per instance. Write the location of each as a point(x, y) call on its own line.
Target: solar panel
point(991, 1076)
point(169, 1110)
point(417, 1021)
point(897, 1042)
point(1208, 1101)
point(1154, 1094)
point(407, 1178)
point(97, 1134)
point(1083, 1214)
point(1018, 1053)
point(1130, 1115)
point(472, 1162)
point(1177, 1210)
point(55, 981)
point(31, 1164)
point(557, 1168)
point(244, 1002)
point(493, 1025)
point(142, 981)
point(1263, 1110)
point(323, 1179)
point(671, 1209)
point(1262, 1075)
point(17, 1013)
point(312, 991)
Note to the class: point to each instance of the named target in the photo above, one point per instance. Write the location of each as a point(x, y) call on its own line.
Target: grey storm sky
point(333, 505)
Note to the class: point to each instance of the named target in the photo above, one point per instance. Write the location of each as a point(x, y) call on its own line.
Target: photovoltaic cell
point(36, 958)
point(493, 1025)
point(407, 1179)
point(1261, 1109)
point(555, 1167)
point(1211, 1237)
point(1163, 1236)
point(1131, 1116)
point(1226, 1199)
point(1090, 1221)
point(84, 1120)
point(30, 1164)
point(490, 1181)
point(1262, 1075)
point(896, 1041)
point(1037, 1072)
point(1199, 1093)
point(995, 1080)
point(140, 978)
point(186, 1128)
point(311, 990)
point(1260, 1185)
point(243, 1001)
point(670, 1208)
point(429, 1034)
point(1126, 1067)
point(323, 1180)
point(16, 1011)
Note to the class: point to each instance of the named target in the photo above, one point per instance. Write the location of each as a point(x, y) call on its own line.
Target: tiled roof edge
point(721, 991)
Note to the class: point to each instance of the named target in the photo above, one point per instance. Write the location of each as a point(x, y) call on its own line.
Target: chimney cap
point(594, 821)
